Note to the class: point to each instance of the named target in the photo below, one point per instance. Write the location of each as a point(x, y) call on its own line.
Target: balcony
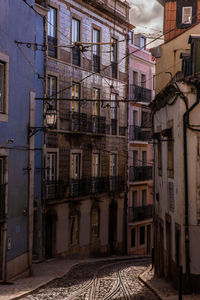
point(140, 173)
point(52, 49)
point(81, 122)
point(2, 200)
point(76, 57)
point(137, 134)
point(54, 190)
point(114, 70)
point(98, 185)
point(141, 94)
point(96, 63)
point(115, 184)
point(140, 213)
point(78, 187)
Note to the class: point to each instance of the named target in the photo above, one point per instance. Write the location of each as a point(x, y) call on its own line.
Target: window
point(113, 164)
point(52, 32)
point(144, 198)
point(134, 198)
point(142, 235)
point(2, 87)
point(171, 195)
point(132, 37)
point(52, 90)
point(76, 38)
point(132, 237)
point(144, 158)
point(96, 102)
point(177, 245)
point(114, 55)
point(160, 154)
point(170, 154)
point(51, 167)
point(75, 166)
point(95, 222)
point(75, 105)
point(96, 50)
point(187, 14)
point(146, 119)
point(95, 165)
point(143, 81)
point(135, 78)
point(135, 158)
point(143, 43)
point(135, 117)
point(74, 227)
point(113, 114)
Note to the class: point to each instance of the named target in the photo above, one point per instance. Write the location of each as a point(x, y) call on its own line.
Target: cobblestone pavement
point(101, 280)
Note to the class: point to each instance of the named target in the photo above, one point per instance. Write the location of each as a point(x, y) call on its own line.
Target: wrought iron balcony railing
point(115, 184)
point(2, 200)
point(81, 122)
point(96, 63)
point(137, 134)
point(141, 213)
point(138, 93)
point(78, 187)
point(114, 70)
point(140, 173)
point(54, 190)
point(76, 56)
point(98, 185)
point(52, 49)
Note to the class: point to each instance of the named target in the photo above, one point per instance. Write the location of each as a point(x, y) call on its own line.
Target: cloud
point(147, 13)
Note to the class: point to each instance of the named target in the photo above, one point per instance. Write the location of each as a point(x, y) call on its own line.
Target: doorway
point(148, 239)
point(50, 236)
point(113, 227)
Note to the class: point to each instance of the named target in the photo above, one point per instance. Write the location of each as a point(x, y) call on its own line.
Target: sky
point(147, 16)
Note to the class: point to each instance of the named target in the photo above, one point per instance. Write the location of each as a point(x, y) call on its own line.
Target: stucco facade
point(141, 72)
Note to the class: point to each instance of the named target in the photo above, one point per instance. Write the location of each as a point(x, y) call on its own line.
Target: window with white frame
point(2, 87)
point(52, 90)
point(75, 104)
point(51, 167)
point(96, 50)
point(187, 15)
point(135, 117)
point(113, 164)
point(52, 31)
point(113, 112)
point(76, 165)
point(143, 42)
point(95, 103)
point(143, 80)
point(76, 38)
point(95, 165)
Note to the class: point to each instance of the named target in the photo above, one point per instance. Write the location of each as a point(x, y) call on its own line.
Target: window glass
point(2, 86)
point(75, 165)
point(75, 95)
point(132, 237)
point(114, 50)
point(134, 198)
point(52, 22)
point(143, 43)
point(51, 167)
point(95, 165)
point(187, 15)
point(143, 80)
point(113, 164)
point(113, 109)
point(52, 89)
point(135, 77)
point(144, 158)
point(144, 197)
point(142, 235)
point(96, 103)
point(96, 39)
point(135, 158)
point(135, 117)
point(75, 30)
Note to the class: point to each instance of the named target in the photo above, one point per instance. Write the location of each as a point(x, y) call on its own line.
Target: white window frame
point(76, 30)
point(186, 15)
point(96, 103)
point(55, 153)
point(96, 164)
point(115, 156)
point(52, 22)
point(75, 103)
point(74, 152)
point(5, 60)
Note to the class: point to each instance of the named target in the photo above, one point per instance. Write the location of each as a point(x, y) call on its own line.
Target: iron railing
point(140, 213)
point(98, 185)
point(81, 122)
point(138, 93)
point(2, 200)
point(76, 56)
point(52, 49)
point(140, 173)
point(54, 190)
point(137, 134)
point(115, 184)
point(96, 63)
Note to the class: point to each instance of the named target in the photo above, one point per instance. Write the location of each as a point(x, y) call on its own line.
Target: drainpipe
point(185, 126)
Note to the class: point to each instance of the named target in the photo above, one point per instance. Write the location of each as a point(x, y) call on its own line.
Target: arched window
point(95, 222)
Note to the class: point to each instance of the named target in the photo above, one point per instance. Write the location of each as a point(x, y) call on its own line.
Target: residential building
point(140, 150)
point(85, 154)
point(177, 28)
point(176, 139)
point(17, 93)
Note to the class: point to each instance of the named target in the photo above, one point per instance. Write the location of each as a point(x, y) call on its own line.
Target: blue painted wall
point(17, 22)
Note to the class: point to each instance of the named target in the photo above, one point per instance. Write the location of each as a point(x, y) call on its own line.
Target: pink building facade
point(140, 148)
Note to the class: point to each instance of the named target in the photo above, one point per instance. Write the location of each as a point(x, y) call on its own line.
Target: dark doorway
point(113, 227)
point(49, 236)
point(168, 249)
point(148, 239)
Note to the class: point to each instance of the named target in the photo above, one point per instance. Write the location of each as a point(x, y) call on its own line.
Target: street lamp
point(50, 118)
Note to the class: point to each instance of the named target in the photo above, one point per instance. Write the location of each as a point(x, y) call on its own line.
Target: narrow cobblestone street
point(100, 280)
